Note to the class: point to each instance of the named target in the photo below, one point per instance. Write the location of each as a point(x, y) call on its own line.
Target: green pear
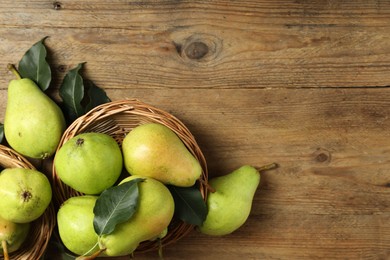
point(75, 225)
point(12, 236)
point(33, 123)
point(152, 217)
point(89, 162)
point(230, 204)
point(154, 150)
point(25, 194)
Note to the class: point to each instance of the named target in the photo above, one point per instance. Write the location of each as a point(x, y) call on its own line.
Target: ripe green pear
point(25, 194)
point(89, 162)
point(75, 225)
point(230, 205)
point(33, 122)
point(154, 150)
point(153, 215)
point(12, 235)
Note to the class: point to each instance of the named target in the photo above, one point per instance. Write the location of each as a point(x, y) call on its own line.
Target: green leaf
point(189, 204)
point(96, 96)
point(1, 132)
point(34, 66)
point(115, 205)
point(72, 93)
point(80, 95)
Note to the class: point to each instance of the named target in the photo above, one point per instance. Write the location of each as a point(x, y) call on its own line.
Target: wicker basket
point(117, 118)
point(41, 229)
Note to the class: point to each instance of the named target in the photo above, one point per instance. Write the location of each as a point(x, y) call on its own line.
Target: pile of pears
point(33, 126)
point(93, 162)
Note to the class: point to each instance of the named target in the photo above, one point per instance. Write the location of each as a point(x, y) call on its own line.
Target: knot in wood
point(57, 5)
point(199, 49)
point(196, 50)
point(322, 155)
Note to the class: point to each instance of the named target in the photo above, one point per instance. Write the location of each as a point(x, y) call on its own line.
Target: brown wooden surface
point(301, 83)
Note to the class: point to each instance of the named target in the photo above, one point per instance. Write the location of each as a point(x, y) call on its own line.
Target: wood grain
point(249, 45)
point(302, 83)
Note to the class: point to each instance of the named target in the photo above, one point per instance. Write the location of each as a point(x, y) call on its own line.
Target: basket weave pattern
point(41, 229)
point(118, 118)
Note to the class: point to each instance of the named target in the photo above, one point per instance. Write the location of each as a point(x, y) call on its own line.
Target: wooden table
point(301, 83)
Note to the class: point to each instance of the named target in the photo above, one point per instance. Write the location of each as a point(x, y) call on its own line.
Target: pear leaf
point(96, 96)
point(79, 95)
point(72, 93)
point(34, 66)
point(115, 205)
point(1, 132)
point(189, 204)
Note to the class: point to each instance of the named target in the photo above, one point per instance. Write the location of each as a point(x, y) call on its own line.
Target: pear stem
point(267, 167)
point(91, 257)
point(5, 249)
point(160, 249)
point(11, 67)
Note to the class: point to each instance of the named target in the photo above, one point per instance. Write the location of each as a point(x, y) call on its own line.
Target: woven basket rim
point(133, 109)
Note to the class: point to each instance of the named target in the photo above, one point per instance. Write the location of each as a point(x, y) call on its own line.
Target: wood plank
point(349, 126)
point(141, 14)
point(247, 45)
